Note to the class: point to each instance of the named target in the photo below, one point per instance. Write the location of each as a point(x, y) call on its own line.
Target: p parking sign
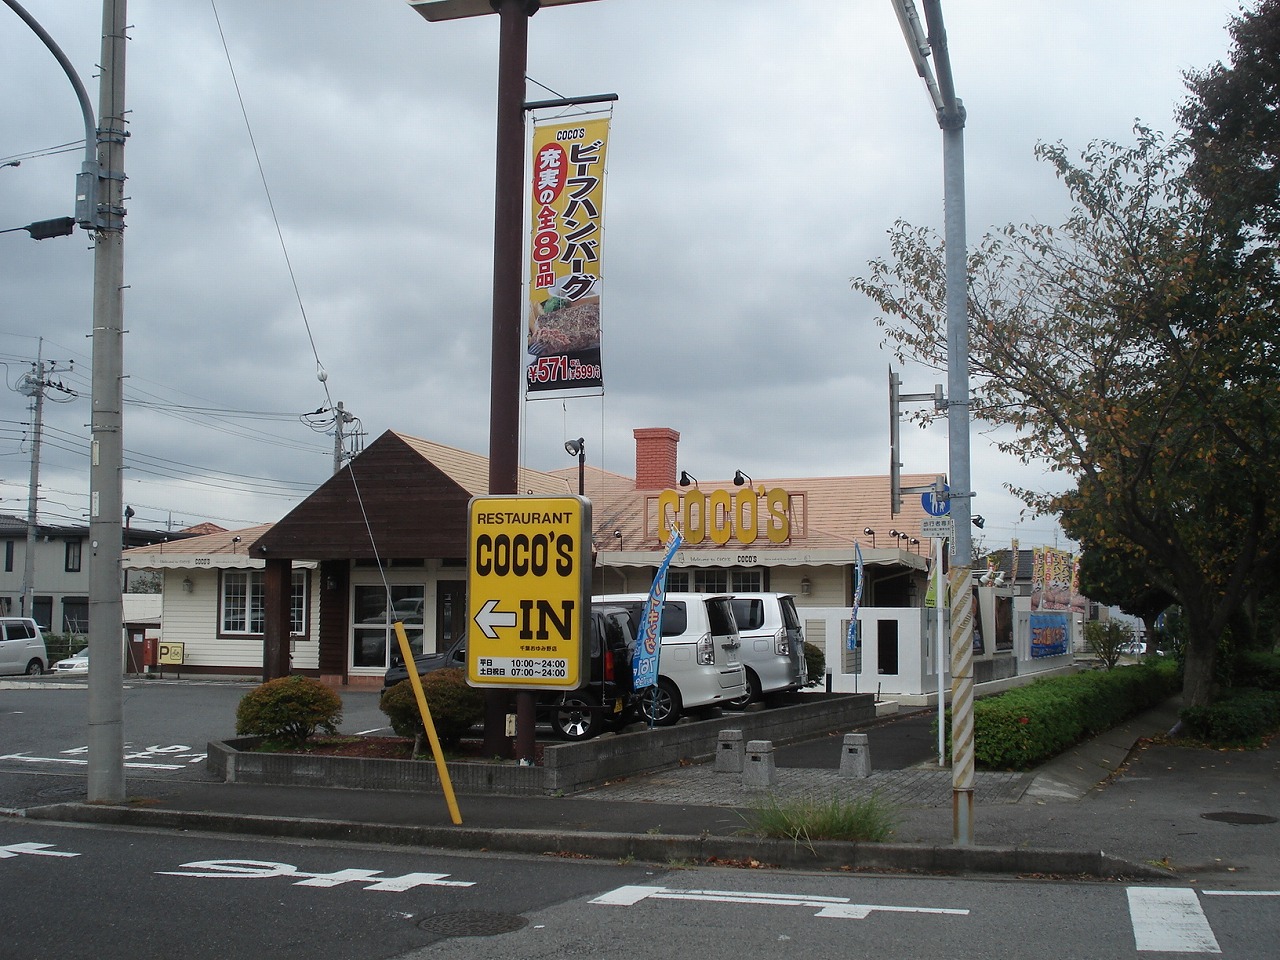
point(528, 588)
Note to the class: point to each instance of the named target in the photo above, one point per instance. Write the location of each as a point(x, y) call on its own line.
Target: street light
point(508, 282)
point(950, 114)
point(578, 448)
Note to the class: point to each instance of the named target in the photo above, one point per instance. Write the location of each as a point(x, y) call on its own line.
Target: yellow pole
point(441, 767)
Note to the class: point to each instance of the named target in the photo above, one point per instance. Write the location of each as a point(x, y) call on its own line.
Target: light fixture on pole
point(508, 284)
point(979, 521)
point(740, 478)
point(925, 41)
point(867, 531)
point(578, 448)
point(686, 478)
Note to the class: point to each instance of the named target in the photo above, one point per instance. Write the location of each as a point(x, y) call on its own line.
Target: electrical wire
point(321, 374)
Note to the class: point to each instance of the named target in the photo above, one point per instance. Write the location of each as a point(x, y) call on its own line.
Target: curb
point(710, 850)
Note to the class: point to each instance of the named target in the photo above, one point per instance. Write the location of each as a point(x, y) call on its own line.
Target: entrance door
point(451, 612)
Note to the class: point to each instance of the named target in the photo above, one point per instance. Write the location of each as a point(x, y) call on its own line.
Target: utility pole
point(33, 385)
point(106, 463)
point(340, 419)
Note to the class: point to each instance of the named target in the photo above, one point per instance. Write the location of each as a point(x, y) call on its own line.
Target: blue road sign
point(936, 506)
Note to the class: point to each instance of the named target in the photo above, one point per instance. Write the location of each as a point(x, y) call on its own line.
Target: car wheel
point(748, 698)
point(661, 705)
point(35, 668)
point(576, 718)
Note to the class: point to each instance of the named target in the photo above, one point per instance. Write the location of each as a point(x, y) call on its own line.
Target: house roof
point(408, 497)
point(226, 549)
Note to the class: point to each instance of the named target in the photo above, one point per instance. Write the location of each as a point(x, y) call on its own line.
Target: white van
point(22, 647)
point(772, 644)
point(699, 664)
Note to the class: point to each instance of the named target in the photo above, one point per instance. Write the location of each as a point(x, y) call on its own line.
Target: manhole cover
point(472, 923)
point(1231, 816)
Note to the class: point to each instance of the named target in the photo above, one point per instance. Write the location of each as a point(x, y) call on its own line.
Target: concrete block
point(758, 770)
point(729, 752)
point(855, 761)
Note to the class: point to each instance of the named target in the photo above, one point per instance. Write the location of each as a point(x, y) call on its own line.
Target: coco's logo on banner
point(721, 515)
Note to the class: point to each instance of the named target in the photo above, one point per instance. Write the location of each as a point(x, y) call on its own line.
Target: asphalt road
point(134, 895)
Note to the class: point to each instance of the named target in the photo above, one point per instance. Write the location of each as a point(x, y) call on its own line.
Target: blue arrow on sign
point(936, 506)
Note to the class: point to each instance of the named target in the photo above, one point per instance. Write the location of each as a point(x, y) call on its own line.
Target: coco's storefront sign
point(744, 516)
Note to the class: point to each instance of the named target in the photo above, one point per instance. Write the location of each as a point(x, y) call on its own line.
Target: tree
point(1116, 575)
point(1130, 350)
point(1233, 124)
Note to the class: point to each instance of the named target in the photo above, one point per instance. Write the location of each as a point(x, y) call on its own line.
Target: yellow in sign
point(529, 578)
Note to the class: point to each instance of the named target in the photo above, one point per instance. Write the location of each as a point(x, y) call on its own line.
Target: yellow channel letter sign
point(528, 587)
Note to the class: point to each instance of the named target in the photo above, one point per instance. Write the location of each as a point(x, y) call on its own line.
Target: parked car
point(74, 664)
point(606, 701)
point(772, 645)
point(22, 647)
point(698, 664)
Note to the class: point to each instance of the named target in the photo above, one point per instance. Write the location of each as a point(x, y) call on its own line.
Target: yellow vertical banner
point(565, 255)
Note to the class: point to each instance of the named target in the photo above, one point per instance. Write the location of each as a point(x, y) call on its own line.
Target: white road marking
point(82, 763)
point(1240, 893)
point(32, 849)
point(265, 869)
point(838, 907)
point(1170, 920)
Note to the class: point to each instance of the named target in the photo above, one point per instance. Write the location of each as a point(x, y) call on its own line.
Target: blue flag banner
point(1048, 634)
point(644, 665)
point(851, 641)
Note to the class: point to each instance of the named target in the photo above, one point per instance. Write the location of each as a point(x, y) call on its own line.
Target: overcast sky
point(761, 150)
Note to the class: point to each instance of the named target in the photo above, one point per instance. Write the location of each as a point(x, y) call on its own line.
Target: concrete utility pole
point(33, 387)
point(951, 118)
point(106, 463)
point(340, 419)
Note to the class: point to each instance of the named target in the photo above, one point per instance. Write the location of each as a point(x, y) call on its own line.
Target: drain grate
point(473, 923)
point(1231, 816)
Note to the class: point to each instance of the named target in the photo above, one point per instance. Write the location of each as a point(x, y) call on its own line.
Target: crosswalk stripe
point(1170, 920)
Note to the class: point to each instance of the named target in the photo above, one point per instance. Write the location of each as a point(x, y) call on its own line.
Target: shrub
point(1257, 668)
point(806, 819)
point(455, 707)
point(1107, 639)
point(815, 662)
point(1025, 726)
point(1242, 717)
point(289, 709)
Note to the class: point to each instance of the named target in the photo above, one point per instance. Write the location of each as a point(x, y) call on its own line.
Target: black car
point(606, 702)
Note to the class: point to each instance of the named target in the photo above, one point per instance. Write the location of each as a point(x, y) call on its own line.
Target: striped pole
point(960, 592)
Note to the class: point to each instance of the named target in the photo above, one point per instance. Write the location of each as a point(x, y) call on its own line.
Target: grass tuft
point(810, 818)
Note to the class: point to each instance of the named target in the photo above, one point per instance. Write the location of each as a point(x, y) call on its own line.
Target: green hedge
point(1240, 717)
point(1253, 668)
point(1025, 726)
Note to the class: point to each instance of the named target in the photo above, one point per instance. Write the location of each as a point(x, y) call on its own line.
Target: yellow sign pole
point(442, 768)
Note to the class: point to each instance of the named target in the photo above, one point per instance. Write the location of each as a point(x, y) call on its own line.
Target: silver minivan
point(772, 645)
point(699, 664)
point(22, 647)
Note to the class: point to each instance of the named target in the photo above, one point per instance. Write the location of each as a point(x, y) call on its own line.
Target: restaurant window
point(716, 580)
point(242, 607)
point(373, 638)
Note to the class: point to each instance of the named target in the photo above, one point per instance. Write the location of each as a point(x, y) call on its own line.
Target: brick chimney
point(655, 457)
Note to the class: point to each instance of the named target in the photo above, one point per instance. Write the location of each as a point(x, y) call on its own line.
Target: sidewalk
point(1104, 809)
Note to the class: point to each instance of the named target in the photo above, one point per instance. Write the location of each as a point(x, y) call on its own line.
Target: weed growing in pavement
point(809, 818)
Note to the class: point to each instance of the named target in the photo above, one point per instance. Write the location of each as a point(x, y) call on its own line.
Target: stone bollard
point(758, 771)
point(856, 759)
point(729, 752)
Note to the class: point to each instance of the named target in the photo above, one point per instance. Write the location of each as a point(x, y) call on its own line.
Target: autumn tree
point(1129, 351)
